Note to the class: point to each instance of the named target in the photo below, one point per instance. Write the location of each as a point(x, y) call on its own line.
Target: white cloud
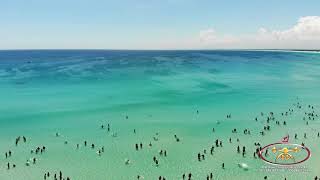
point(207, 35)
point(305, 34)
point(210, 35)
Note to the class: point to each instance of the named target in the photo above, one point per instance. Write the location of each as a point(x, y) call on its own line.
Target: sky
point(159, 24)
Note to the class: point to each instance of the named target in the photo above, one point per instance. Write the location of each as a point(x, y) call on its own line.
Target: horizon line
point(106, 49)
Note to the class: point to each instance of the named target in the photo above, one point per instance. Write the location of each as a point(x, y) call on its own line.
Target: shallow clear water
point(75, 92)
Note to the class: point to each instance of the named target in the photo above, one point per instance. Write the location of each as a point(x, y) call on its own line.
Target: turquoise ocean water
point(158, 94)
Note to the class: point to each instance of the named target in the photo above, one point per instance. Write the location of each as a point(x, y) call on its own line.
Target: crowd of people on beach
point(56, 176)
point(265, 121)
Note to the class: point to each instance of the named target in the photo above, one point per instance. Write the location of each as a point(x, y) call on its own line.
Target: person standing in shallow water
point(211, 150)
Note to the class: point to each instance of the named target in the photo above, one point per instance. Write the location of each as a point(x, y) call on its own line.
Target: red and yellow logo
point(284, 153)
